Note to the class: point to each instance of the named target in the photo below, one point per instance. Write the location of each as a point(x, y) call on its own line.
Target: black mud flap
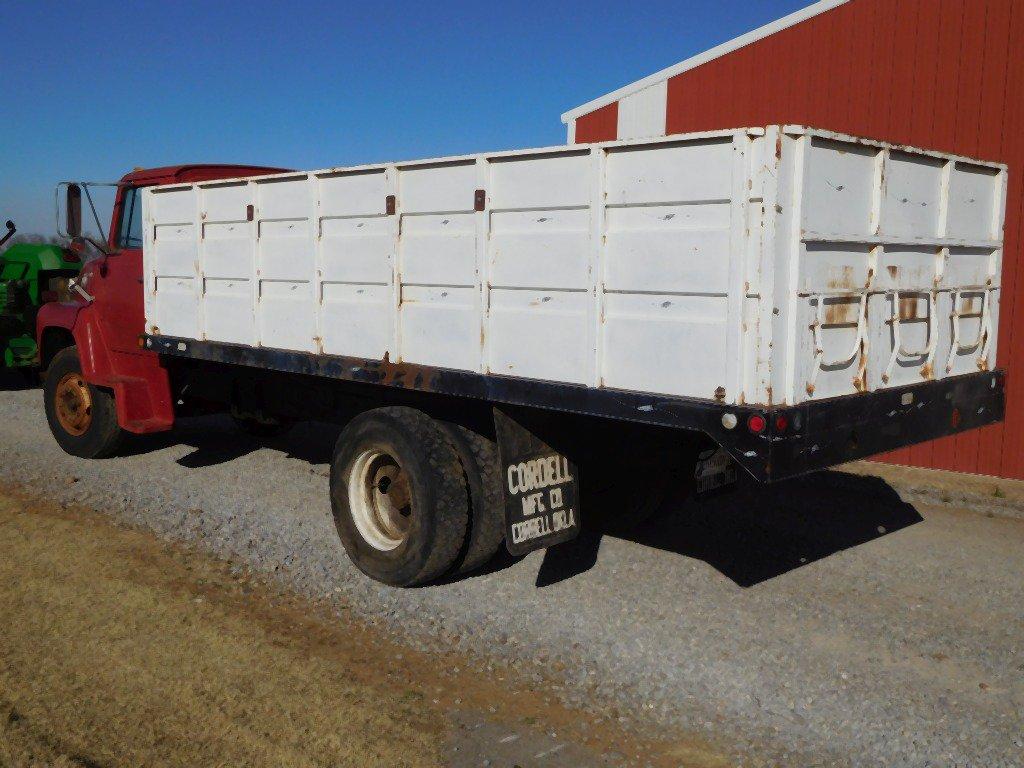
point(541, 493)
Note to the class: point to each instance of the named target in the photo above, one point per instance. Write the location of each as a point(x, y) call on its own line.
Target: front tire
point(399, 496)
point(82, 417)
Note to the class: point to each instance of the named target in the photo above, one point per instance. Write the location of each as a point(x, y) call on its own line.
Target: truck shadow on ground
point(750, 534)
point(216, 440)
point(755, 533)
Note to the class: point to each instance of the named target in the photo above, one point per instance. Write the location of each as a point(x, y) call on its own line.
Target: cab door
point(117, 285)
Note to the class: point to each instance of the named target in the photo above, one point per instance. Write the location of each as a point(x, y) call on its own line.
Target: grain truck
point(517, 342)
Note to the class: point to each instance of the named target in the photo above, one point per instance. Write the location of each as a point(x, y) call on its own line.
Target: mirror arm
point(101, 247)
point(95, 216)
point(11, 229)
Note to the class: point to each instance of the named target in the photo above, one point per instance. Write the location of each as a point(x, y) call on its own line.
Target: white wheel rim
point(380, 498)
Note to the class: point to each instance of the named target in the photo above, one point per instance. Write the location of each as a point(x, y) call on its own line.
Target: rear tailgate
point(896, 259)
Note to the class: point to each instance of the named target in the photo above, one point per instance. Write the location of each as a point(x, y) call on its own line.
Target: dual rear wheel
point(413, 498)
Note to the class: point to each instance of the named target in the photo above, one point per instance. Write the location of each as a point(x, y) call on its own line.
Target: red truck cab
point(94, 339)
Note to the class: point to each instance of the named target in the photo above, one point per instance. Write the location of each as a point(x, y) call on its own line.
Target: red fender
point(142, 388)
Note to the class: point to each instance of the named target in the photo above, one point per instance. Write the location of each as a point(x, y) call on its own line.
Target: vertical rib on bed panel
point(760, 266)
point(483, 272)
point(733, 384)
point(791, 167)
point(599, 160)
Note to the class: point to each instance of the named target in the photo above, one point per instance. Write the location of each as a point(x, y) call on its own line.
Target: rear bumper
point(822, 434)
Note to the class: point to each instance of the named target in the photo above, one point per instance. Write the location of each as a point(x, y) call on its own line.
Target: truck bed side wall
point(760, 266)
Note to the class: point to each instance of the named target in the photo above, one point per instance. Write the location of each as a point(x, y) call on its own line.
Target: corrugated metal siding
point(599, 125)
point(941, 74)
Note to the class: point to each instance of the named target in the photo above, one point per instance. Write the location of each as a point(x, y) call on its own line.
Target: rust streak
point(403, 374)
point(844, 281)
point(841, 312)
point(908, 308)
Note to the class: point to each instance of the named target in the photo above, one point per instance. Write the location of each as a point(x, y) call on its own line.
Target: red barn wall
point(939, 74)
point(600, 125)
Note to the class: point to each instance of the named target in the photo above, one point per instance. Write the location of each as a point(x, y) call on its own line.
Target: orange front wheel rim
point(73, 404)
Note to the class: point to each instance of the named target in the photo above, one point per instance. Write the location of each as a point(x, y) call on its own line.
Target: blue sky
point(91, 90)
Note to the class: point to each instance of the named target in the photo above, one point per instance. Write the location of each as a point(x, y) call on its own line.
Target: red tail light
point(757, 424)
point(781, 423)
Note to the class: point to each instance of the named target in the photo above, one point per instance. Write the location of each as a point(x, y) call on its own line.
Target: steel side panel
point(729, 266)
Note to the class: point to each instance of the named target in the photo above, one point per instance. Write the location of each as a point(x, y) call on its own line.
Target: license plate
point(715, 469)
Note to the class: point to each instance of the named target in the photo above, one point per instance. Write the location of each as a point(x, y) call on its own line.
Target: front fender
point(142, 392)
point(78, 321)
point(53, 315)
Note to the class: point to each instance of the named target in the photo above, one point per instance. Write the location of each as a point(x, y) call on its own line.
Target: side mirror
point(73, 211)
point(11, 229)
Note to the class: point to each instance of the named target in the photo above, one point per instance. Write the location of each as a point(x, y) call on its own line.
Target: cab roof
point(178, 174)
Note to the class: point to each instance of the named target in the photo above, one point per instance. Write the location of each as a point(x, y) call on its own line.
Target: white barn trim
point(640, 109)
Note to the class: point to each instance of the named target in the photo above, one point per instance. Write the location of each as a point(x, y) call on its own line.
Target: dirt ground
point(119, 650)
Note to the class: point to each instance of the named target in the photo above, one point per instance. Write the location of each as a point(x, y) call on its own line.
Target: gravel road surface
point(821, 622)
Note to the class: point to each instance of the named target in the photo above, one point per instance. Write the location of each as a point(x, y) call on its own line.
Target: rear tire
point(82, 417)
point(399, 496)
point(479, 457)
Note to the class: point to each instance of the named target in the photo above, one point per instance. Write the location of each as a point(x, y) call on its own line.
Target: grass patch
point(110, 657)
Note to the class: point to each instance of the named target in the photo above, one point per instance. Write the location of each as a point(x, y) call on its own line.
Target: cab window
point(130, 232)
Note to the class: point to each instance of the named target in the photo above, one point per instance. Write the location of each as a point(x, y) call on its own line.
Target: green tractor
point(30, 276)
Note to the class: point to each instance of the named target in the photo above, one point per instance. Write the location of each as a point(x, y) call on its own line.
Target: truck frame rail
point(770, 443)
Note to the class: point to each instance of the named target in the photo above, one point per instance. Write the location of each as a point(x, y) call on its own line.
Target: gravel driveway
point(821, 622)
